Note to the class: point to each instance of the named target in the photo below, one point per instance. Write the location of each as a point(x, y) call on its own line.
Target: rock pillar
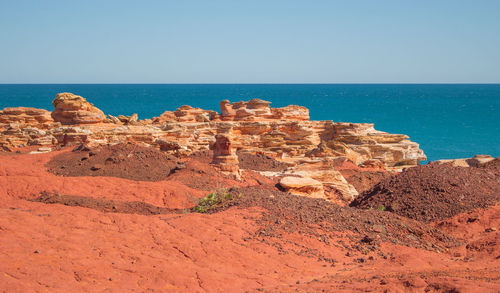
point(225, 158)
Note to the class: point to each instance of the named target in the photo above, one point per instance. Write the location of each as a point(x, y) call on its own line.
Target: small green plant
point(216, 199)
point(381, 208)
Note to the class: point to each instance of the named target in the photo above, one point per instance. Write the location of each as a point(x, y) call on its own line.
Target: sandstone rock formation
point(26, 126)
point(249, 111)
point(259, 110)
point(291, 112)
point(113, 119)
point(72, 109)
point(225, 158)
point(22, 115)
point(324, 172)
point(285, 134)
point(304, 186)
point(187, 114)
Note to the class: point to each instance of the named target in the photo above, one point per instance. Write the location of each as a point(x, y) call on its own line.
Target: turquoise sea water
point(449, 121)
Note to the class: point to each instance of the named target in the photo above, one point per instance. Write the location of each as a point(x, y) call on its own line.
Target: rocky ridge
point(285, 134)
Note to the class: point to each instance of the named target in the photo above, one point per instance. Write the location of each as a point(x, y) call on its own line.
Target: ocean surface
point(448, 120)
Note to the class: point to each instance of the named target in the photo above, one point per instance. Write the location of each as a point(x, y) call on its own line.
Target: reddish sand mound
point(434, 192)
point(268, 242)
point(259, 162)
point(128, 161)
point(24, 176)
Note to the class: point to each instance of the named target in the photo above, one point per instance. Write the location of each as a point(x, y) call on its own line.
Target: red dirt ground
point(263, 243)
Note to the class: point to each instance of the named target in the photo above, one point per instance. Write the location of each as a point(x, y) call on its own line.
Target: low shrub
point(214, 200)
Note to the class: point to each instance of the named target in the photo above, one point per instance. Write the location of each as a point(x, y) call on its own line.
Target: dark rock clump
point(434, 191)
point(129, 161)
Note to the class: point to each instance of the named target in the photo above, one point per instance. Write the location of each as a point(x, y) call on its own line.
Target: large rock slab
point(334, 184)
point(304, 186)
point(72, 109)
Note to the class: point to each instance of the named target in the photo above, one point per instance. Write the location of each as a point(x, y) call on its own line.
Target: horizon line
point(267, 83)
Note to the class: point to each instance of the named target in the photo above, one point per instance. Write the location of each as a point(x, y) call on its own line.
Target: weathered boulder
point(334, 184)
point(167, 116)
point(72, 109)
point(122, 119)
point(114, 119)
point(304, 186)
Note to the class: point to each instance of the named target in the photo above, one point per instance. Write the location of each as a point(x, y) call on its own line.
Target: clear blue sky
point(231, 41)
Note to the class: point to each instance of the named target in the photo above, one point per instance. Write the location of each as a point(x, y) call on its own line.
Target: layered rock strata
point(334, 184)
point(26, 126)
point(304, 186)
point(187, 114)
point(258, 110)
point(72, 109)
point(225, 158)
point(285, 134)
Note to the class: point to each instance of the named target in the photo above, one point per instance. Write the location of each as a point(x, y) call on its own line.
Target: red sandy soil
point(262, 241)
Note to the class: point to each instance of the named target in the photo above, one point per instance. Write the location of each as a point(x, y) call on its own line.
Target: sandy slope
point(65, 248)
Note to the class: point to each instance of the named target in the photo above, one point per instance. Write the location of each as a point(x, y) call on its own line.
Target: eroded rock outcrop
point(23, 126)
point(73, 109)
point(225, 158)
point(259, 110)
point(285, 134)
point(187, 114)
point(304, 186)
point(25, 116)
point(323, 170)
point(360, 142)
